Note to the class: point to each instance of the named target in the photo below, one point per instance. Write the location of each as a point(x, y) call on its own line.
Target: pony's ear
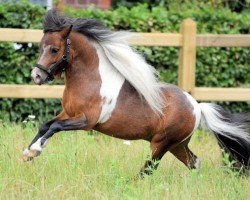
point(66, 31)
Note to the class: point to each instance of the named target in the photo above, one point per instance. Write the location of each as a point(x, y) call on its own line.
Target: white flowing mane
point(133, 67)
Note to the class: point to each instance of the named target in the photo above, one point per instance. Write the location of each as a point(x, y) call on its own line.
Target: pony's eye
point(54, 50)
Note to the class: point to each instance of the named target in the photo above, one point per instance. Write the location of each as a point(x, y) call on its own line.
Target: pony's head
point(54, 56)
point(55, 51)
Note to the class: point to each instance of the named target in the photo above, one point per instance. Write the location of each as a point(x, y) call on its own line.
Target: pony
point(109, 87)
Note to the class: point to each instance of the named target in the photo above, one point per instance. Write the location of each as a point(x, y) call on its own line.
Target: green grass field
point(80, 165)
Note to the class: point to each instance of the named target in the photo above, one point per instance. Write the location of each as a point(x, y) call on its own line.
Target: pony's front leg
point(42, 130)
point(35, 149)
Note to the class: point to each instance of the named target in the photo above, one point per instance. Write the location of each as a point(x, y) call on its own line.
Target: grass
point(80, 165)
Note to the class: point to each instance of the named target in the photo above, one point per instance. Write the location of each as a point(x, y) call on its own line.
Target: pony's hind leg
point(185, 155)
point(158, 149)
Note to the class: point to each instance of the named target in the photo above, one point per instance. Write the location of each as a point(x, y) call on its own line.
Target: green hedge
point(218, 67)
point(236, 6)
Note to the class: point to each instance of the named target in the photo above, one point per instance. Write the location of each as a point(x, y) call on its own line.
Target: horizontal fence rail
point(143, 39)
point(221, 94)
point(211, 40)
point(56, 91)
point(20, 35)
point(31, 91)
point(187, 40)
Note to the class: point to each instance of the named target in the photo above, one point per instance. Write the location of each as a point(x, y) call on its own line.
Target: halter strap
point(59, 65)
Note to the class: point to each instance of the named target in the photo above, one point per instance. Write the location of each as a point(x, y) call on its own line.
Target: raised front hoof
point(28, 155)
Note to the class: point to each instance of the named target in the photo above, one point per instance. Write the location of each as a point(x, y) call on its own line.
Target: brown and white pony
point(110, 88)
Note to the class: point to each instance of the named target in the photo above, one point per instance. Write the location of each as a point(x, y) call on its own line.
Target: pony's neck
point(84, 66)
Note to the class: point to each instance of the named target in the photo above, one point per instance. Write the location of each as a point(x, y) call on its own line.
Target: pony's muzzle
point(38, 79)
point(38, 76)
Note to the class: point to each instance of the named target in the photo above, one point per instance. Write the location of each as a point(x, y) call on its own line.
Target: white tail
point(215, 121)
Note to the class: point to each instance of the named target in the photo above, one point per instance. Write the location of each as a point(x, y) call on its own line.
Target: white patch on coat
point(112, 82)
point(133, 67)
point(36, 71)
point(196, 112)
point(46, 49)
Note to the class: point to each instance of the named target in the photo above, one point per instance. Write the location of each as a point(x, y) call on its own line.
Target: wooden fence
point(187, 40)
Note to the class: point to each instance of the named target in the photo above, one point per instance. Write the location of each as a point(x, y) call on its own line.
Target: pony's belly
point(126, 133)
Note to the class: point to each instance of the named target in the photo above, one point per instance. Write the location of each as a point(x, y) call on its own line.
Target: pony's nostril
point(37, 79)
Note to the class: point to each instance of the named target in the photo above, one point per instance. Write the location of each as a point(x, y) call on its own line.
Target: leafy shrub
point(217, 67)
point(236, 6)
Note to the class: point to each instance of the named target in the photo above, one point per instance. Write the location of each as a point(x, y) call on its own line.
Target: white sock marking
point(197, 163)
point(37, 145)
point(26, 151)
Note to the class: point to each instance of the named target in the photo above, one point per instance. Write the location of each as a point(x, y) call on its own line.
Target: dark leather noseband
point(59, 65)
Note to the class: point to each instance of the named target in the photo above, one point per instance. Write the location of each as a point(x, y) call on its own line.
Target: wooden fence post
point(187, 56)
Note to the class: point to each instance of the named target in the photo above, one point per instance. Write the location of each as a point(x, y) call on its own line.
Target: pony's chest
point(77, 105)
point(72, 104)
